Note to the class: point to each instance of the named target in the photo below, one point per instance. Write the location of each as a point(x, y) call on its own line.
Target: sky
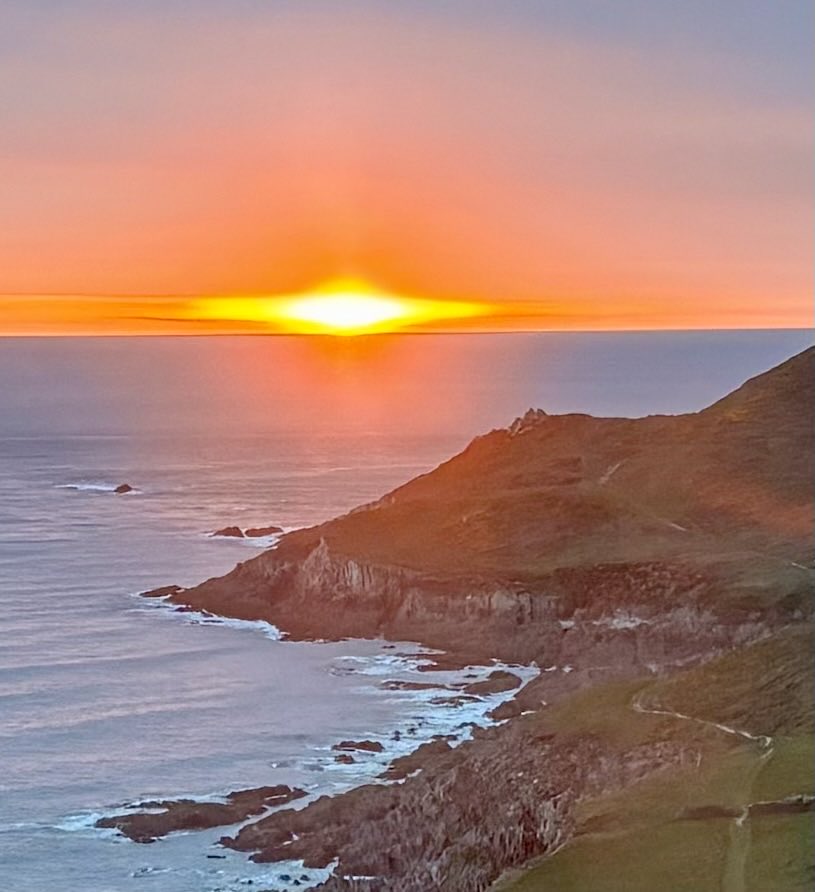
point(565, 163)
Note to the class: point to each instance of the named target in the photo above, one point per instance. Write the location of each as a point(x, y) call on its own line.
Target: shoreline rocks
point(189, 814)
point(229, 533)
point(235, 532)
point(162, 591)
point(260, 532)
point(363, 746)
point(398, 685)
point(402, 766)
point(497, 682)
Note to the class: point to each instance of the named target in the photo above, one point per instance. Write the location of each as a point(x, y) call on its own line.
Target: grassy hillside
point(686, 830)
point(550, 491)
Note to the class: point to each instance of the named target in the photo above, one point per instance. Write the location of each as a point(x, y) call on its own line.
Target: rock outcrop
point(163, 591)
point(234, 532)
point(229, 532)
point(260, 532)
point(362, 746)
point(189, 814)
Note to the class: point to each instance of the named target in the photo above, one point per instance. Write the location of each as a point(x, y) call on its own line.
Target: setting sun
point(339, 307)
point(345, 313)
point(349, 306)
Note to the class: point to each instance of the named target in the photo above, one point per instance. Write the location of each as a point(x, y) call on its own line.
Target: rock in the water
point(367, 746)
point(258, 532)
point(123, 488)
point(454, 701)
point(399, 685)
point(187, 814)
point(344, 759)
point(230, 532)
point(162, 592)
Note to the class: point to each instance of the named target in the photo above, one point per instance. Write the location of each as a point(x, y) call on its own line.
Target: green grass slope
point(686, 830)
point(733, 480)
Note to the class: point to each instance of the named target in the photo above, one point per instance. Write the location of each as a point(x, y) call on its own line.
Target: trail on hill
point(735, 861)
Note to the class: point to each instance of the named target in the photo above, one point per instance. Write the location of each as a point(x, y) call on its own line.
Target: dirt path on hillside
point(734, 871)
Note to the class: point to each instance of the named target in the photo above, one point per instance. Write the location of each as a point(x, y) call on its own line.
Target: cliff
point(556, 514)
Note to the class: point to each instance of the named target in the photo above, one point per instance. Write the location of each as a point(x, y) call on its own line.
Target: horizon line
point(400, 333)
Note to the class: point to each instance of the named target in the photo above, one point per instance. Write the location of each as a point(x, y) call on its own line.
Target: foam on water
point(196, 617)
point(97, 486)
point(252, 541)
point(422, 719)
point(210, 433)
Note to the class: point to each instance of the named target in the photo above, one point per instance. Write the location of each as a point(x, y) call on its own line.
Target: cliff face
point(610, 551)
point(626, 614)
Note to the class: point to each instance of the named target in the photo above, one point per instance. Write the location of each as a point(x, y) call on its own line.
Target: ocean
point(106, 698)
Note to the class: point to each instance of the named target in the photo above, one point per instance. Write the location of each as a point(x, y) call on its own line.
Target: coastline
point(421, 678)
point(695, 612)
point(606, 645)
point(673, 583)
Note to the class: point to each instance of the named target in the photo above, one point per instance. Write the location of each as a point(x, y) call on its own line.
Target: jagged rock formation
point(229, 532)
point(172, 815)
point(234, 532)
point(260, 532)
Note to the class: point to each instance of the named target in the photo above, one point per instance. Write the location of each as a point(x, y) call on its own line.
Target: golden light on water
point(339, 307)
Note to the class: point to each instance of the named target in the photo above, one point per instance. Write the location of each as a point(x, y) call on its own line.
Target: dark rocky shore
point(634, 560)
point(165, 816)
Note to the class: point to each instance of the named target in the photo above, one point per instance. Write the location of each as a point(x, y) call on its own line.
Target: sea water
point(106, 698)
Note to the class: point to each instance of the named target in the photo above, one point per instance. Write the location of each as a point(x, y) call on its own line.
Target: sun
point(341, 307)
point(347, 307)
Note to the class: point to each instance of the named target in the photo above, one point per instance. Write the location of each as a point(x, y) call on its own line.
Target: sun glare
point(340, 307)
point(346, 308)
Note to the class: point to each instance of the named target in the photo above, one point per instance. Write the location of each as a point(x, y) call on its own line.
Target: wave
point(230, 871)
point(432, 711)
point(252, 541)
point(203, 618)
point(85, 822)
point(381, 665)
point(99, 486)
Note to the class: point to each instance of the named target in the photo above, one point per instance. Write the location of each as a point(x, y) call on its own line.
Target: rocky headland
point(658, 571)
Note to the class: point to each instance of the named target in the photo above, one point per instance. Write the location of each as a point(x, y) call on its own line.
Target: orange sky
point(82, 315)
point(570, 172)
